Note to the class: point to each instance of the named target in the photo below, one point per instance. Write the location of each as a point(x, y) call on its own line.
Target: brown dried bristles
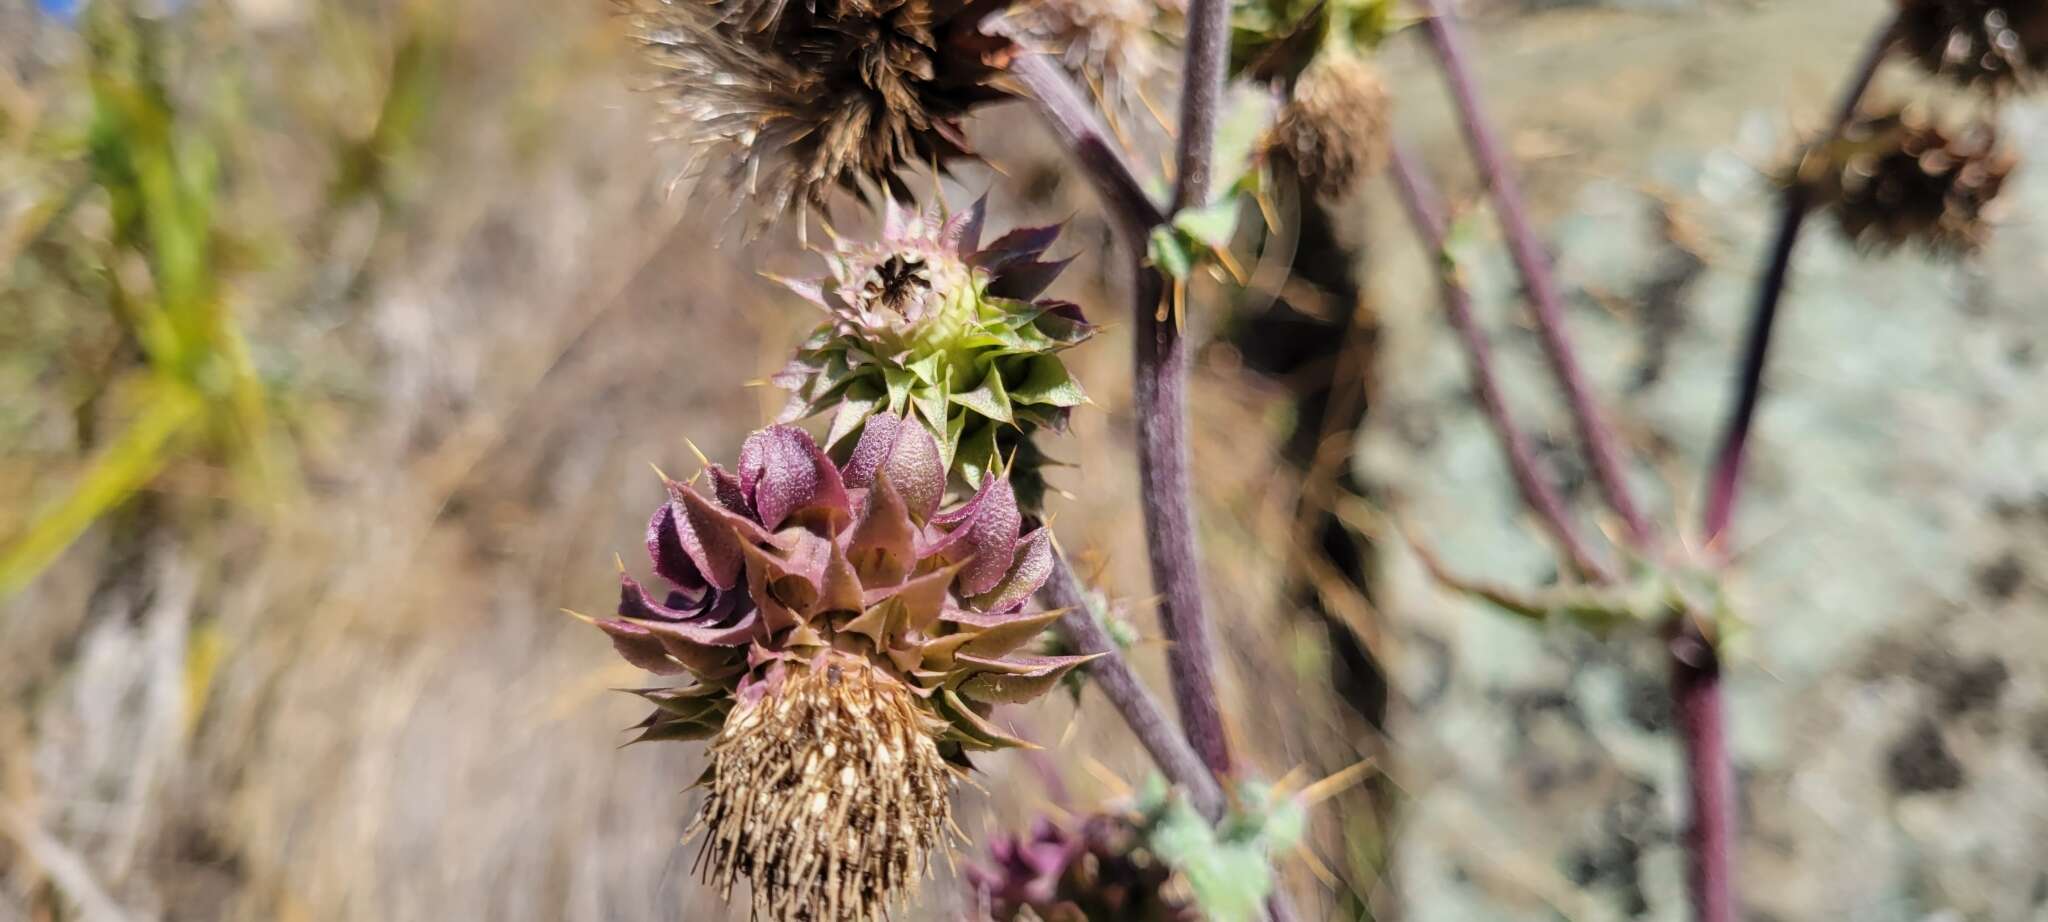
point(788, 101)
point(1995, 45)
point(1897, 178)
point(828, 793)
point(1335, 127)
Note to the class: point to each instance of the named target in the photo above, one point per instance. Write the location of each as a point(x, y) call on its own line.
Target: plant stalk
point(1545, 301)
point(1425, 211)
point(1119, 683)
point(1159, 397)
point(1724, 480)
point(1709, 835)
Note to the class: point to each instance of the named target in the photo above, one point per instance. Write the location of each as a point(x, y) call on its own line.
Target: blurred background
point(336, 339)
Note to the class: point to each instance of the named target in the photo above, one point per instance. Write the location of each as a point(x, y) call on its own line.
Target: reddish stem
point(1710, 775)
point(1113, 676)
point(1724, 480)
point(1425, 211)
point(1545, 301)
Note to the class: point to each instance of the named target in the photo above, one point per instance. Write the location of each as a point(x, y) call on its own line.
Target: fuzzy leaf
point(990, 399)
point(784, 472)
point(1030, 566)
point(1048, 382)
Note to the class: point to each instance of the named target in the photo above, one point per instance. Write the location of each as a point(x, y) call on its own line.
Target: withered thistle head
point(930, 323)
point(792, 100)
point(1117, 40)
point(848, 638)
point(1996, 45)
point(1898, 178)
point(1334, 128)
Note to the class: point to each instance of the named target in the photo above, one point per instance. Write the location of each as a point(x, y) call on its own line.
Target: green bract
point(929, 323)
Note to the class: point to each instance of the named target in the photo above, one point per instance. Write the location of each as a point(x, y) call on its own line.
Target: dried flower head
point(929, 323)
point(1898, 178)
point(1998, 45)
point(1335, 127)
point(1098, 871)
point(1117, 40)
point(794, 100)
point(848, 638)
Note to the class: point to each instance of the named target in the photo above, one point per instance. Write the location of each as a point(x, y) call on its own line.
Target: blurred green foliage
point(123, 272)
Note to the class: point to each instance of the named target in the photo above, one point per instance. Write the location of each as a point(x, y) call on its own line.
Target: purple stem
point(1710, 776)
point(1545, 302)
point(1724, 480)
point(1112, 674)
point(1425, 211)
point(1080, 128)
point(1159, 397)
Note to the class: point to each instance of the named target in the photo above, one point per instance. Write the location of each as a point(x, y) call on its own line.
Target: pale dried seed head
point(1335, 127)
point(850, 834)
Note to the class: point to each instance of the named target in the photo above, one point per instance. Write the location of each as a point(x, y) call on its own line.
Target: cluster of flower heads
point(848, 637)
point(1998, 45)
point(1897, 178)
point(1097, 870)
point(797, 99)
point(931, 323)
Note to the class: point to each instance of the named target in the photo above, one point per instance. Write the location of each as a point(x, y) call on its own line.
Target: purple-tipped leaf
point(1017, 679)
point(962, 232)
point(907, 455)
point(983, 532)
point(1030, 566)
point(784, 473)
point(639, 646)
point(665, 548)
point(1022, 243)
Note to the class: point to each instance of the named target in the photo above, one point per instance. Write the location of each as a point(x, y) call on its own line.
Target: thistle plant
point(847, 636)
point(932, 324)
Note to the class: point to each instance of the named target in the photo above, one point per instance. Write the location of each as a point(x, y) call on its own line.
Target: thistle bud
point(1897, 178)
point(930, 324)
point(1996, 45)
point(847, 638)
point(1335, 127)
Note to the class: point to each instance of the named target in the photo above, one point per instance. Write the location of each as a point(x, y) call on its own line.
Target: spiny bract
point(848, 638)
point(929, 323)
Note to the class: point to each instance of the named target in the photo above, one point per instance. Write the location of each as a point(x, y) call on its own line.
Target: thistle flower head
point(1999, 45)
point(1335, 126)
point(1096, 870)
point(1897, 178)
point(931, 324)
point(848, 638)
point(795, 100)
point(1119, 40)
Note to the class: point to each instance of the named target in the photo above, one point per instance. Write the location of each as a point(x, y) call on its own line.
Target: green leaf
point(899, 382)
point(990, 399)
point(1167, 250)
point(1210, 225)
point(977, 454)
point(926, 369)
point(1049, 382)
point(859, 402)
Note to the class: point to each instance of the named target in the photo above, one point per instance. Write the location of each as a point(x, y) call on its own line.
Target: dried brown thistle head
point(788, 101)
point(827, 792)
point(1335, 127)
point(1898, 178)
point(1997, 45)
